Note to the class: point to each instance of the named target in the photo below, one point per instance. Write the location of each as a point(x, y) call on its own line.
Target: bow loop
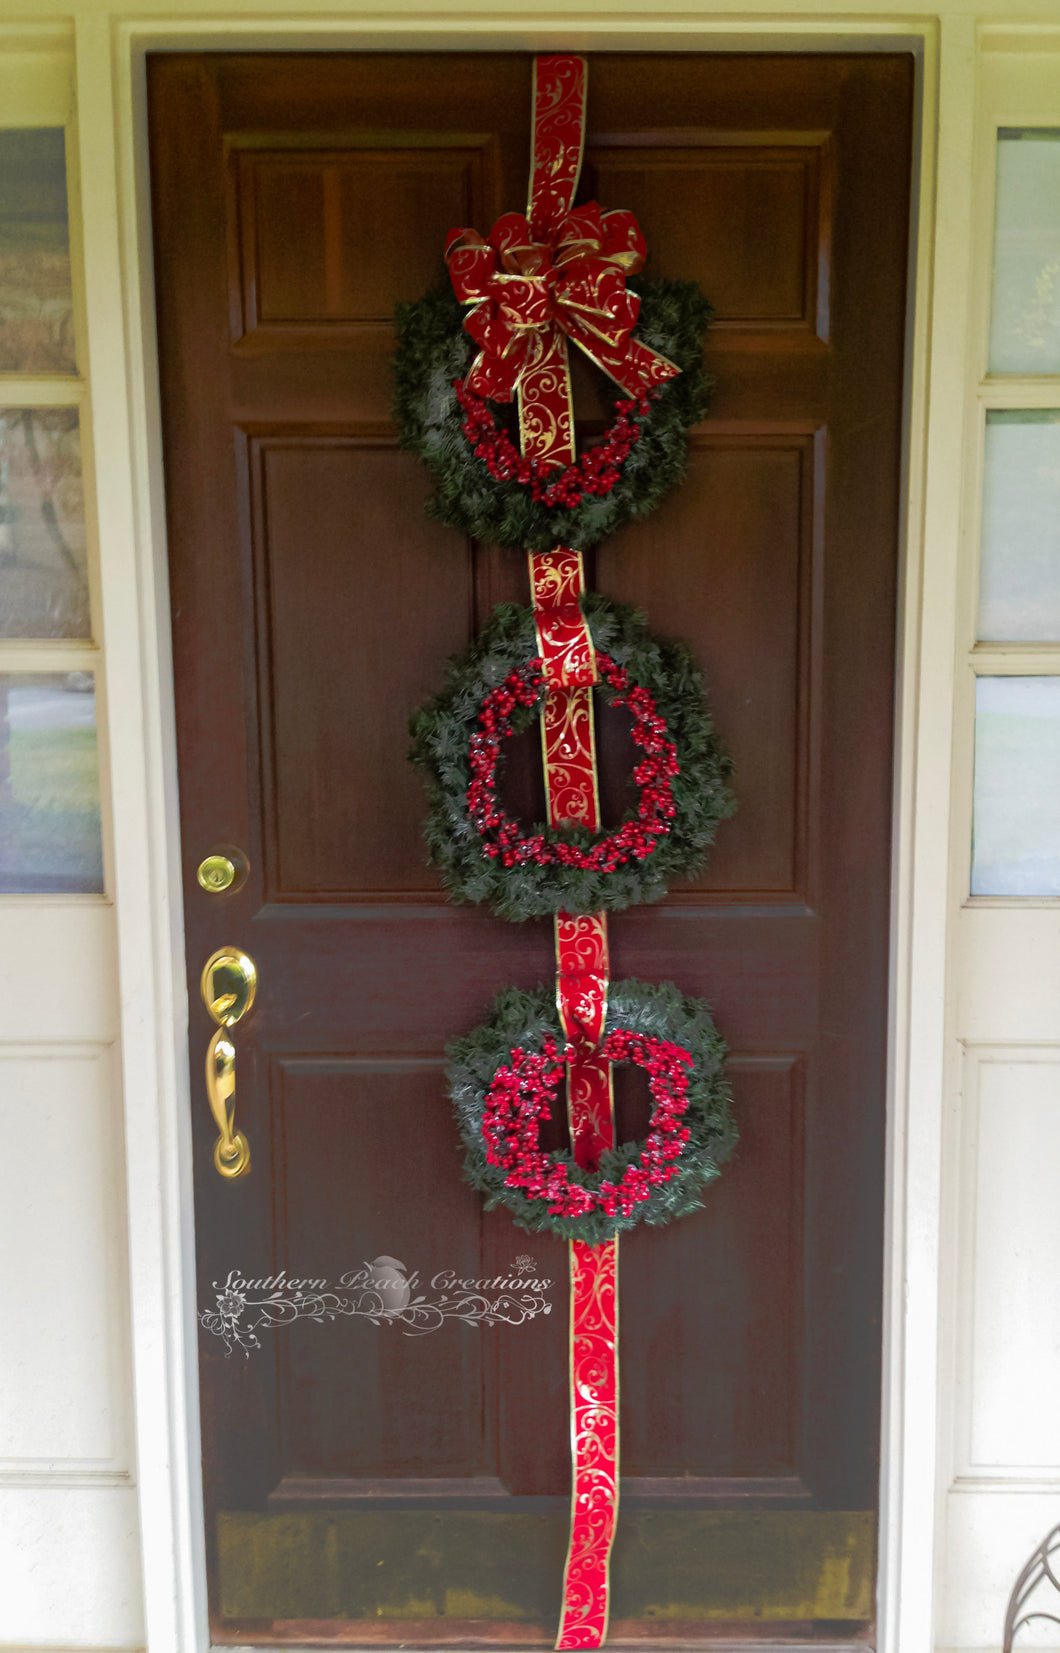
point(519, 253)
point(525, 292)
point(624, 244)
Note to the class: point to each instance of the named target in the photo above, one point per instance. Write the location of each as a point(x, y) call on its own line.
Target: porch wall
point(99, 1500)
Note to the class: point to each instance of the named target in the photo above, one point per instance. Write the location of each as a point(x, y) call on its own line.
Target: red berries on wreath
point(505, 1075)
point(634, 840)
point(521, 1096)
point(484, 487)
point(496, 688)
point(596, 472)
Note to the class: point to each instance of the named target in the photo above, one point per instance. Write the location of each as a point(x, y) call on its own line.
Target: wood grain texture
point(313, 608)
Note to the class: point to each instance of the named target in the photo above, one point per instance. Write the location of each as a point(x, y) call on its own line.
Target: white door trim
point(123, 375)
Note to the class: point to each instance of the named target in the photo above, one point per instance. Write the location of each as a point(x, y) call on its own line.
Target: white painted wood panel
point(1011, 1336)
point(1007, 968)
point(69, 1568)
point(64, 1397)
point(58, 969)
point(989, 1535)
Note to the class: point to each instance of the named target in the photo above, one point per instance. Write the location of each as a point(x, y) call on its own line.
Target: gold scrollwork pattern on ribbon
point(583, 970)
point(594, 1443)
point(557, 580)
point(559, 135)
point(568, 747)
point(557, 583)
point(546, 406)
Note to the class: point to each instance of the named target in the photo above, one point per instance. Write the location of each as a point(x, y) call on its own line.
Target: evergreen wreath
point(634, 839)
point(504, 1075)
point(643, 455)
point(496, 688)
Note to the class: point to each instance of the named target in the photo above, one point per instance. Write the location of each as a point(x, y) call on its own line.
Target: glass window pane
point(43, 565)
point(1019, 559)
point(36, 303)
point(50, 839)
point(1025, 319)
point(1016, 843)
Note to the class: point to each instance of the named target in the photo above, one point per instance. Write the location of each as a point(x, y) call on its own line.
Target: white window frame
point(1003, 986)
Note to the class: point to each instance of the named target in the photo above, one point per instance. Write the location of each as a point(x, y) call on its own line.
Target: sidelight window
point(1016, 811)
point(50, 827)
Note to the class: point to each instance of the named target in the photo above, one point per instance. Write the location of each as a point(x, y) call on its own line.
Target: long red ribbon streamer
point(582, 971)
point(536, 280)
point(557, 583)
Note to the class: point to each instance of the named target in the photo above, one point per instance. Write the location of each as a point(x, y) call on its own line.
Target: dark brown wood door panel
point(363, 1487)
point(312, 495)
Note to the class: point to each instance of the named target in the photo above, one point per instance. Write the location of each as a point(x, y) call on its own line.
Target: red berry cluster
point(520, 1097)
point(596, 472)
point(633, 840)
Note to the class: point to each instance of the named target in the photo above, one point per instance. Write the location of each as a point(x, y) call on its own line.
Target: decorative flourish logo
point(382, 1291)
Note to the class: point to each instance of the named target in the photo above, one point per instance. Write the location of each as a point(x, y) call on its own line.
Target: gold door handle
point(229, 982)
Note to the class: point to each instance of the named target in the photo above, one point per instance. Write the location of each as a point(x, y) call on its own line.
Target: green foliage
point(441, 732)
point(434, 349)
point(526, 1019)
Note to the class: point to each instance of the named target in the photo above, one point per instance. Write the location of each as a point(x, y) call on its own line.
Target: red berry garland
point(527, 870)
point(521, 1095)
point(596, 472)
point(633, 840)
point(504, 1075)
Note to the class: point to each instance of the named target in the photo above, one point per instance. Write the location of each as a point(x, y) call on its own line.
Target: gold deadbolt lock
point(224, 869)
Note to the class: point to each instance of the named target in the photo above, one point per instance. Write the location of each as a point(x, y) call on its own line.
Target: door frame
point(111, 89)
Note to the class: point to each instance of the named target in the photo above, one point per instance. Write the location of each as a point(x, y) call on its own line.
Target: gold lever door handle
point(229, 982)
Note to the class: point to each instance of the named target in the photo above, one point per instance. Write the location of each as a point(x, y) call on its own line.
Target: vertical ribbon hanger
point(557, 584)
point(559, 274)
point(582, 969)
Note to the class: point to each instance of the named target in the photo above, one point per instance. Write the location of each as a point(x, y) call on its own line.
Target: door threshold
point(652, 1644)
point(729, 1646)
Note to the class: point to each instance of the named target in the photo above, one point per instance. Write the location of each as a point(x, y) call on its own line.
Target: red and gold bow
point(530, 284)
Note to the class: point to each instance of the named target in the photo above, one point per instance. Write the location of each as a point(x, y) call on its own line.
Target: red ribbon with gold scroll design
point(557, 584)
point(582, 973)
point(553, 275)
point(560, 274)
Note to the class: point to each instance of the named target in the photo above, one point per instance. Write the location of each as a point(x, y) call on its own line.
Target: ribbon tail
point(634, 366)
point(546, 406)
point(557, 584)
point(594, 1444)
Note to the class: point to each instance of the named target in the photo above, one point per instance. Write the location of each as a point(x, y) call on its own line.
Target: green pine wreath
point(434, 351)
point(516, 1054)
point(443, 730)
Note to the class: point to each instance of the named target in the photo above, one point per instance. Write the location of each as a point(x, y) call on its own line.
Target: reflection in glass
point(1019, 559)
point(43, 578)
point(1016, 831)
point(1025, 319)
point(50, 839)
point(36, 304)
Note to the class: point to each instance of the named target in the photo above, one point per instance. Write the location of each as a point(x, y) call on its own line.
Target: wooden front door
point(365, 1485)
